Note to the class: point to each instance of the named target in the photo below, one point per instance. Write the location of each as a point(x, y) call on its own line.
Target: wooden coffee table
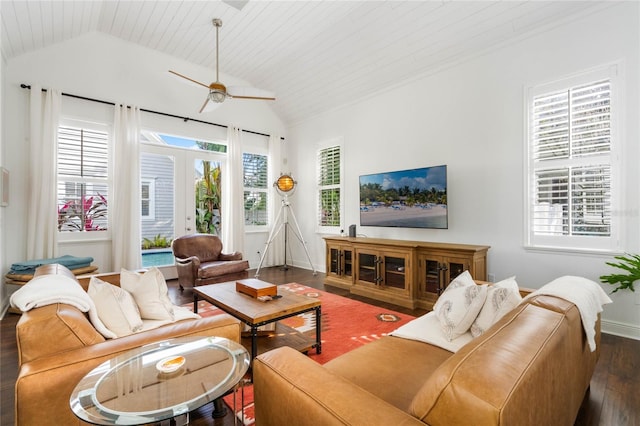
point(255, 313)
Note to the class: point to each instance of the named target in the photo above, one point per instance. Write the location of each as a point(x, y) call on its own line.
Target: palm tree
point(208, 200)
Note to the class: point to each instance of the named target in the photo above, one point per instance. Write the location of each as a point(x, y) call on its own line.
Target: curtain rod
point(185, 119)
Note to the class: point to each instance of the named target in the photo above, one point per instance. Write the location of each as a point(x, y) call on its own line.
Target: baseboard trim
point(620, 329)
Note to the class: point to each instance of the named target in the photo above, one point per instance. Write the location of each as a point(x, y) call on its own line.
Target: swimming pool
point(157, 258)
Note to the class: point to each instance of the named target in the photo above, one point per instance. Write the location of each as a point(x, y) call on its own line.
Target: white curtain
point(124, 206)
point(232, 220)
point(42, 217)
point(275, 254)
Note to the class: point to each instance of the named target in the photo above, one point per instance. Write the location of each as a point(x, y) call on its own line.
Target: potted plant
point(630, 263)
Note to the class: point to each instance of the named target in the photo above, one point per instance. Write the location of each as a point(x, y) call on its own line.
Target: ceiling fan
point(218, 92)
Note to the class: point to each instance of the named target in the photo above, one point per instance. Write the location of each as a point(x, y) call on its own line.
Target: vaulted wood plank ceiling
point(315, 55)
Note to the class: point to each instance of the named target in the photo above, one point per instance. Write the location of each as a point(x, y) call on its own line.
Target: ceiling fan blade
point(250, 93)
point(177, 74)
point(204, 105)
point(209, 106)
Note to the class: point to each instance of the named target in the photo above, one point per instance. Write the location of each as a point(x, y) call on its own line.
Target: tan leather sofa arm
point(292, 389)
point(44, 385)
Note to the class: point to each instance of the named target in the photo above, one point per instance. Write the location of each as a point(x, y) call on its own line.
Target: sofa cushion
point(379, 367)
point(292, 390)
point(501, 298)
point(150, 292)
point(459, 305)
point(116, 307)
point(217, 268)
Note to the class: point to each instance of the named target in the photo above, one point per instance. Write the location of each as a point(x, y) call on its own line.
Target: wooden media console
point(406, 273)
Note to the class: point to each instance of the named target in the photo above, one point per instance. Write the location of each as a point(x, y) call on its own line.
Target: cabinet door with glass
point(383, 269)
point(436, 272)
point(368, 270)
point(339, 264)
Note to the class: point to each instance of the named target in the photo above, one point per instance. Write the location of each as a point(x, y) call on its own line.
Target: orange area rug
point(346, 325)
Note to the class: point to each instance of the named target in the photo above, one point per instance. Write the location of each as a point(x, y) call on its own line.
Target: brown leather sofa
point(58, 345)
point(533, 367)
point(200, 261)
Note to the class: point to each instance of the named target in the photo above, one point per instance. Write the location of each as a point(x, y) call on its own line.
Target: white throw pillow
point(150, 293)
point(116, 308)
point(459, 305)
point(501, 298)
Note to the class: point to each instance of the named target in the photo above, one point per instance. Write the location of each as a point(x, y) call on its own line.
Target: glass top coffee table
point(160, 381)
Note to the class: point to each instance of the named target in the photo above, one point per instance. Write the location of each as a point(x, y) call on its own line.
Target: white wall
point(3, 241)
point(470, 117)
point(99, 66)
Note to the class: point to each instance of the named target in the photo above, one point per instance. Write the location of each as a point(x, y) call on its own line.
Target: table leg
point(195, 302)
point(318, 330)
point(219, 409)
point(254, 342)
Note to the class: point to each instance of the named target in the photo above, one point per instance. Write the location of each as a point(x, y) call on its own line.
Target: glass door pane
point(455, 269)
point(208, 195)
point(432, 276)
point(334, 261)
point(157, 221)
point(394, 272)
point(348, 267)
point(368, 268)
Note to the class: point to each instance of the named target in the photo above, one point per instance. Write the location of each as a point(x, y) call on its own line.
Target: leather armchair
point(200, 261)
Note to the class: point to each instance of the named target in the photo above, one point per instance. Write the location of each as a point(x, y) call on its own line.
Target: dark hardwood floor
point(613, 400)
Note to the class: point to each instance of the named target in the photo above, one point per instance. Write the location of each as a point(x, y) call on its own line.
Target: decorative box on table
point(256, 288)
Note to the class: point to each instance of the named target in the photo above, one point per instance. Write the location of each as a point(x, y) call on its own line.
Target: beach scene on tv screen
point(414, 198)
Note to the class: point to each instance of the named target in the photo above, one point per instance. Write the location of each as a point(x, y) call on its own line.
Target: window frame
point(100, 235)
point(263, 190)
point(576, 243)
point(323, 146)
point(152, 198)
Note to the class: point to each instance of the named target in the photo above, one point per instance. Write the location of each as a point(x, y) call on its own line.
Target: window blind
point(255, 170)
point(329, 163)
point(329, 182)
point(82, 160)
point(82, 152)
point(255, 175)
point(571, 151)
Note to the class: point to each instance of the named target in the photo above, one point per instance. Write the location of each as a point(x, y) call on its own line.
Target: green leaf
point(623, 281)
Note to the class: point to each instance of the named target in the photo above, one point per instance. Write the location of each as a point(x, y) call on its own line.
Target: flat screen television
point(415, 198)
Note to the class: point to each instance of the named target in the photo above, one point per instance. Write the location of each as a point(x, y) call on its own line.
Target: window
point(255, 189)
point(329, 180)
point(147, 199)
point(572, 168)
point(82, 178)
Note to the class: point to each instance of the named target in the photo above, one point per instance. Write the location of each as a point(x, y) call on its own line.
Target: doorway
point(180, 194)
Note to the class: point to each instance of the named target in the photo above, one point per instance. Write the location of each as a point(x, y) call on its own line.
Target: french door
point(181, 194)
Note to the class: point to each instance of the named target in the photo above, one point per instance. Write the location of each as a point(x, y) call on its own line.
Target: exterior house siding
point(159, 169)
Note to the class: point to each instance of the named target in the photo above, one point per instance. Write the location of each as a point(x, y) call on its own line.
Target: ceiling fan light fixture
point(217, 92)
point(217, 96)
